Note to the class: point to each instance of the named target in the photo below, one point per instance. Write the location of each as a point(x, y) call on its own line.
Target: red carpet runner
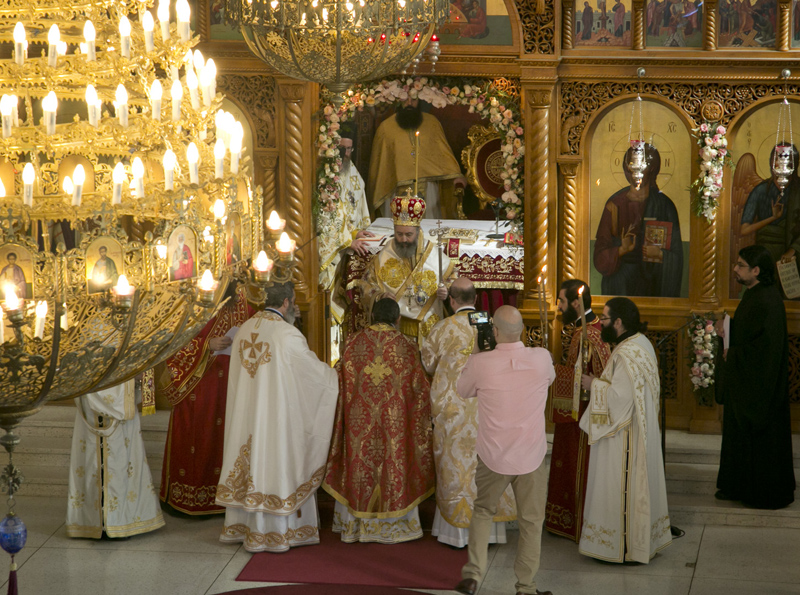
point(321, 590)
point(423, 564)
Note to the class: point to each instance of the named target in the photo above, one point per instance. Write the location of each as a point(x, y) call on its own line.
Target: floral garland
point(702, 351)
point(498, 106)
point(714, 156)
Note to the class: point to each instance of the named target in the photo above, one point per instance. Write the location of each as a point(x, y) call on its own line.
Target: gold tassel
point(148, 393)
point(600, 419)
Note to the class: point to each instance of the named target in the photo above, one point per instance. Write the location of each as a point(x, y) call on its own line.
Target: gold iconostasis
point(576, 94)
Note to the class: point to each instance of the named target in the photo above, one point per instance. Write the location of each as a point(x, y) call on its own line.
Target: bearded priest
point(570, 458)
point(407, 270)
point(278, 423)
point(381, 460)
point(626, 517)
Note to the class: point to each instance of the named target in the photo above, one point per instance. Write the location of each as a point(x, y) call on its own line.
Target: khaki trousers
point(530, 492)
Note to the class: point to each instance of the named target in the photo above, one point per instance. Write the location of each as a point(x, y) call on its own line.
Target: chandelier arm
point(54, 350)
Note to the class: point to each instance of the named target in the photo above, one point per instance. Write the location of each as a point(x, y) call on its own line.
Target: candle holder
point(16, 316)
point(206, 290)
point(122, 299)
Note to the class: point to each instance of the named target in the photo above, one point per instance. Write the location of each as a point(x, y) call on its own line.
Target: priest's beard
point(289, 316)
point(406, 250)
point(608, 334)
point(570, 316)
point(409, 117)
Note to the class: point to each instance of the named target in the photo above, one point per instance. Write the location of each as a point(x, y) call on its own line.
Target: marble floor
point(185, 557)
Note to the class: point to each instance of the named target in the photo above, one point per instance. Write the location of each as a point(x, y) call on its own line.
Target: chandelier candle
point(219, 158)
point(156, 92)
point(177, 93)
point(193, 156)
point(14, 307)
point(28, 176)
point(191, 82)
point(41, 314)
point(49, 106)
point(78, 178)
point(90, 35)
point(168, 161)
point(148, 25)
point(236, 147)
point(206, 288)
point(262, 267)
point(122, 293)
point(163, 19)
point(20, 44)
point(183, 12)
point(53, 37)
point(125, 37)
point(91, 105)
point(122, 105)
point(118, 176)
point(275, 226)
point(138, 177)
point(6, 110)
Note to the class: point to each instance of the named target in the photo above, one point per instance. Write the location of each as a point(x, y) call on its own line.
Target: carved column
point(710, 31)
point(538, 101)
point(783, 40)
point(298, 214)
point(567, 24)
point(269, 165)
point(708, 290)
point(637, 16)
point(569, 264)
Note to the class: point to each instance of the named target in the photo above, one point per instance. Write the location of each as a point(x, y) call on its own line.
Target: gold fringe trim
point(375, 515)
point(600, 418)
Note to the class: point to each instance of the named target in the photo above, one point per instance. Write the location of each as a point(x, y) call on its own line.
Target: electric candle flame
point(12, 302)
point(263, 263)
point(118, 174)
point(19, 33)
point(207, 281)
point(274, 222)
point(169, 159)
point(2, 189)
point(54, 35)
point(219, 209)
point(138, 168)
point(41, 313)
point(156, 90)
point(91, 95)
point(147, 22)
point(79, 176)
point(161, 250)
point(28, 175)
point(580, 290)
point(123, 288)
point(67, 185)
point(121, 94)
point(285, 244)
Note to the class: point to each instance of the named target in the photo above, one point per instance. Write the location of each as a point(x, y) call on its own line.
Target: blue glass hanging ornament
point(13, 533)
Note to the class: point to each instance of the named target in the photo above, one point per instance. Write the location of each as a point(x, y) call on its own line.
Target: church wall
point(567, 89)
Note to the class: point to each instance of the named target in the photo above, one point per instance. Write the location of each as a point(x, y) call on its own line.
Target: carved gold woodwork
point(256, 96)
point(538, 19)
point(570, 248)
point(638, 24)
point(568, 24)
point(478, 137)
point(269, 167)
point(784, 33)
point(710, 26)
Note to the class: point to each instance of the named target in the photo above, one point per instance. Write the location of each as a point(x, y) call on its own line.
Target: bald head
point(462, 293)
point(508, 322)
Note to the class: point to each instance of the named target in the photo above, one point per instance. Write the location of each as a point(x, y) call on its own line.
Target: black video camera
point(483, 323)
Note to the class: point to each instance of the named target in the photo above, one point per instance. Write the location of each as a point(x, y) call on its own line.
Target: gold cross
point(255, 348)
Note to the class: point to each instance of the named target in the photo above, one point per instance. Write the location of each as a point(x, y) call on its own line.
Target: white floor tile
point(708, 586)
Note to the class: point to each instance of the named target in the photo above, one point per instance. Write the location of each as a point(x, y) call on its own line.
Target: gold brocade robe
point(455, 423)
point(413, 283)
point(380, 464)
point(391, 163)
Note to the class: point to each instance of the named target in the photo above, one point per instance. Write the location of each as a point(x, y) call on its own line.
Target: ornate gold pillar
point(569, 241)
point(567, 24)
point(710, 31)
point(637, 16)
point(784, 37)
point(268, 180)
point(537, 103)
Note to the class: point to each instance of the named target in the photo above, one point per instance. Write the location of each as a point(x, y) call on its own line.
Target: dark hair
point(627, 312)
point(758, 256)
point(348, 130)
point(463, 295)
point(10, 254)
point(278, 293)
point(571, 287)
point(385, 310)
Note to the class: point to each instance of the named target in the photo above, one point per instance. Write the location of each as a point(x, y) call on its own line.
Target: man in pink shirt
point(511, 385)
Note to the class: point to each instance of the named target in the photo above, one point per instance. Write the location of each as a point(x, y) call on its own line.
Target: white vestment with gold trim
point(110, 486)
point(278, 423)
point(626, 516)
point(455, 432)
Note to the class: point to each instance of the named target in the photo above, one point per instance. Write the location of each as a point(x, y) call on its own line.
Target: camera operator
point(455, 422)
point(510, 384)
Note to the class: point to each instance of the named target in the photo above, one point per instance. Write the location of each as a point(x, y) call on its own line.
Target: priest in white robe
point(625, 517)
point(110, 486)
point(278, 424)
point(455, 425)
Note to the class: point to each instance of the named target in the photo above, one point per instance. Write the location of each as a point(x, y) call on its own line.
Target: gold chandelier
point(125, 200)
point(337, 42)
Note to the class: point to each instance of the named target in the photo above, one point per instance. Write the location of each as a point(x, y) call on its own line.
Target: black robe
point(756, 459)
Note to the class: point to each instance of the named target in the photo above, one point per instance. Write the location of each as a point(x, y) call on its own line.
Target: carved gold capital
point(569, 170)
point(268, 162)
point(292, 93)
point(539, 98)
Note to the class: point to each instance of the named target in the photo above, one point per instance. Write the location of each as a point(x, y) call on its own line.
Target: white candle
point(191, 82)
point(161, 250)
point(20, 44)
point(6, 110)
point(219, 158)
point(237, 137)
point(169, 160)
point(163, 17)
point(2, 189)
point(285, 245)
point(64, 317)
point(14, 110)
point(118, 175)
point(89, 34)
point(122, 105)
point(41, 314)
point(125, 36)
point(67, 186)
point(138, 177)
point(53, 37)
point(198, 61)
point(28, 176)
point(148, 24)
point(219, 209)
point(49, 107)
point(92, 104)
point(183, 12)
point(177, 94)
point(61, 48)
point(193, 156)
point(156, 92)
point(205, 85)
point(2, 327)
point(79, 177)
point(212, 77)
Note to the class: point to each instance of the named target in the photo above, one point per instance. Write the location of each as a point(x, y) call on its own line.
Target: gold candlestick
point(416, 163)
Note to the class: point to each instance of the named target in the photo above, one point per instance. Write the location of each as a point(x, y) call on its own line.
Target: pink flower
point(519, 131)
point(723, 152)
point(445, 90)
point(703, 127)
point(709, 141)
point(721, 130)
point(507, 114)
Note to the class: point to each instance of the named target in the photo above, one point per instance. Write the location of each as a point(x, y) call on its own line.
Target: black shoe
point(720, 495)
point(467, 586)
